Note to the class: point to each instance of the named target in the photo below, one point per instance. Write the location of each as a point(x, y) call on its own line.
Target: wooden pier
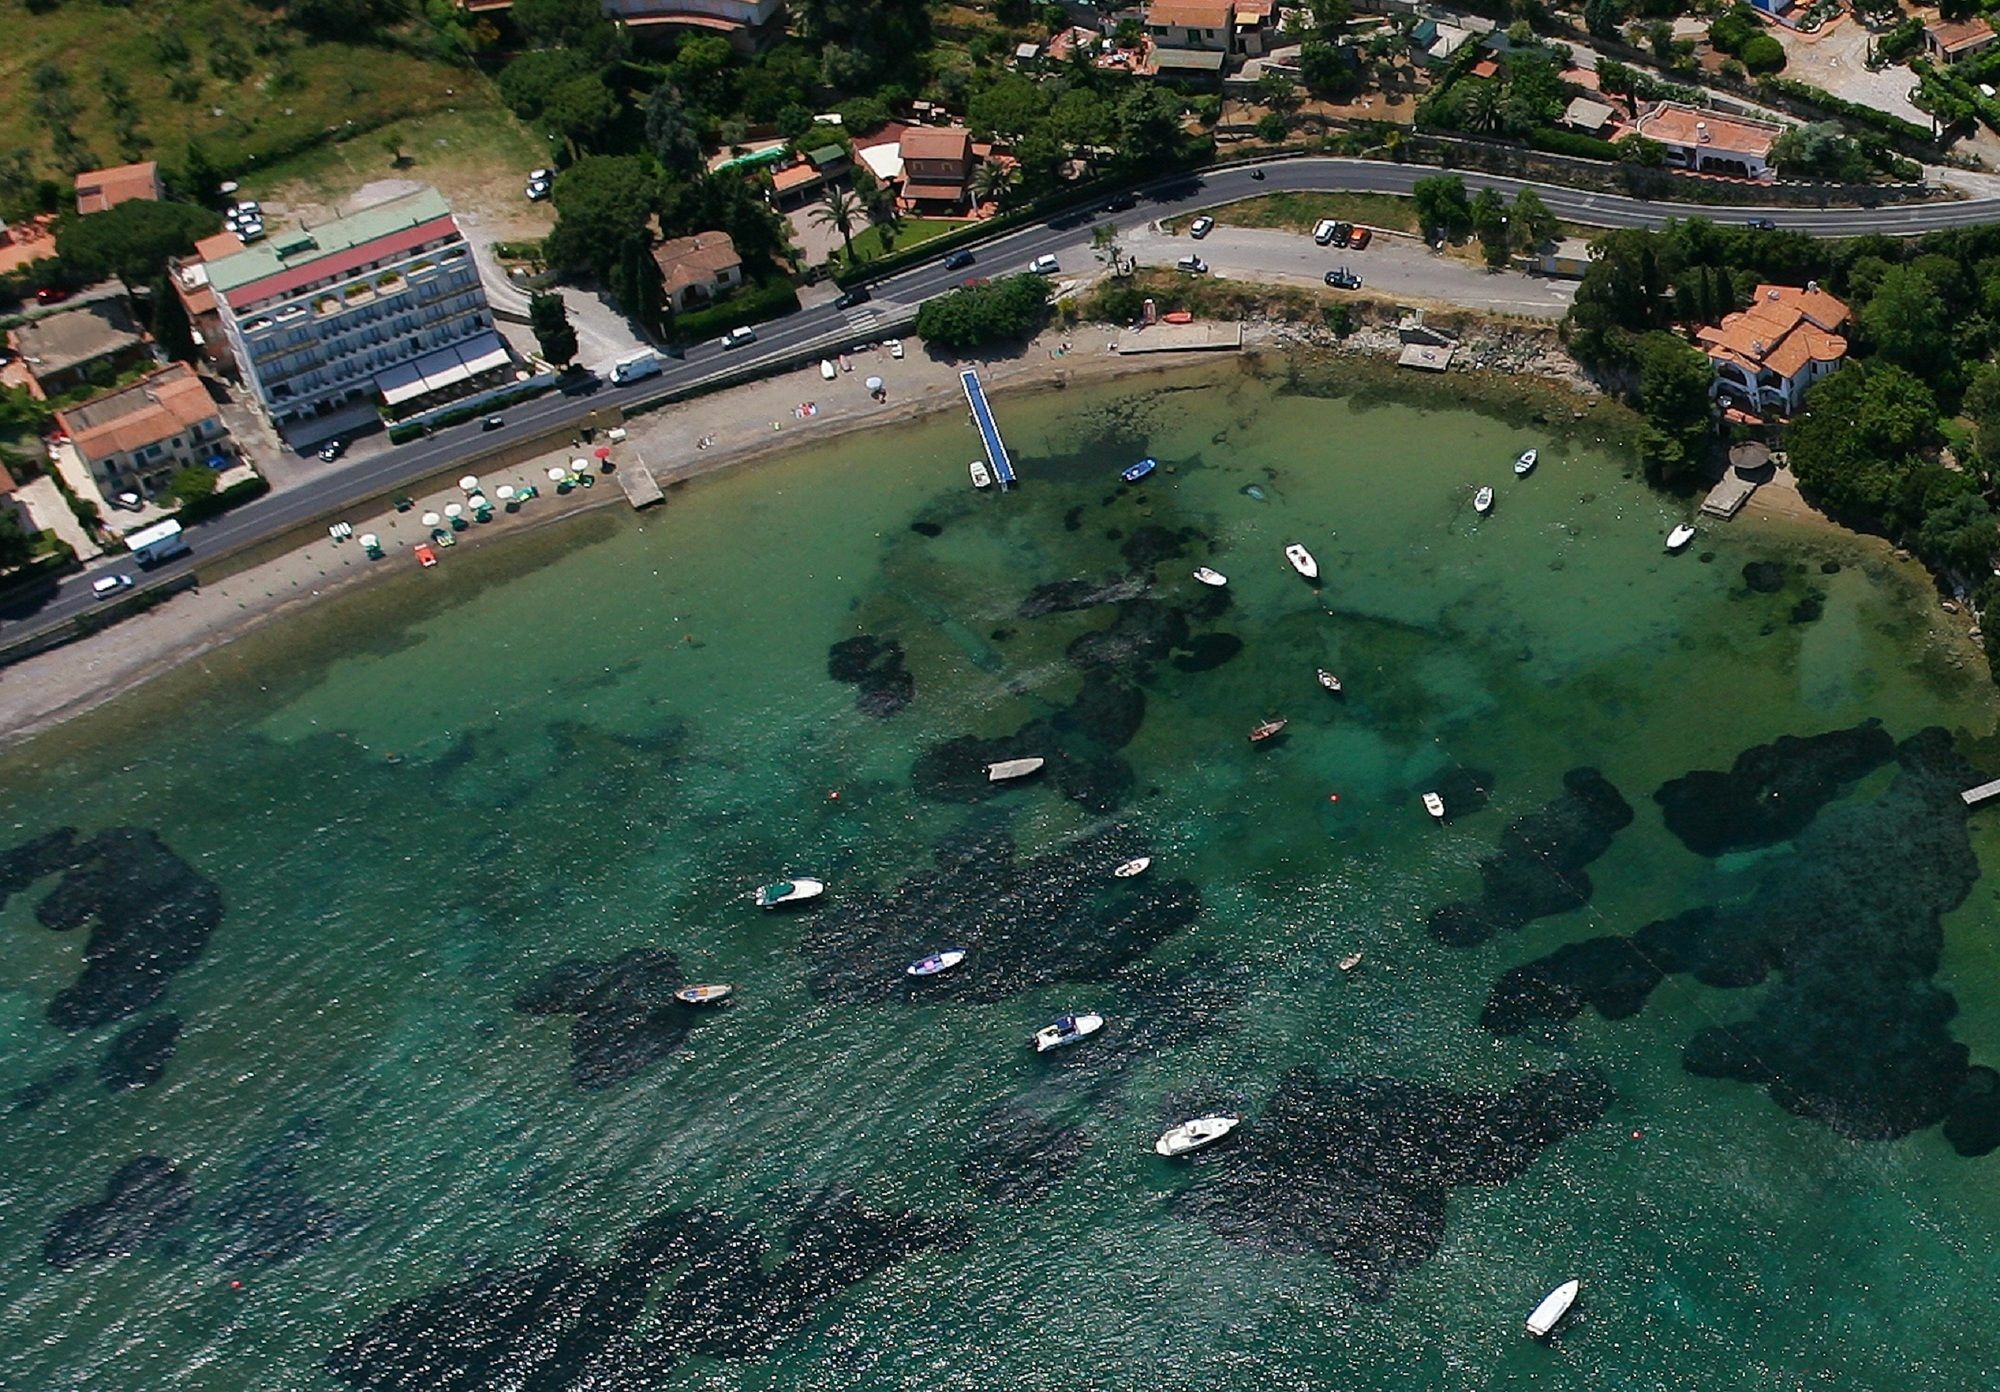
point(1985, 792)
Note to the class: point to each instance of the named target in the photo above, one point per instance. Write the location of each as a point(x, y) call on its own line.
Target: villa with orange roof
point(1708, 142)
point(1768, 354)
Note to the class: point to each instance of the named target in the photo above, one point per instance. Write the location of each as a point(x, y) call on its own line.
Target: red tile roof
point(98, 189)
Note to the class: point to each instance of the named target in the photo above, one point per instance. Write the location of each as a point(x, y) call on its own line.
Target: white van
point(1043, 265)
point(1324, 232)
point(1193, 265)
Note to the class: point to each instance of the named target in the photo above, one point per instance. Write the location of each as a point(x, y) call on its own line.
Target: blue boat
point(1140, 470)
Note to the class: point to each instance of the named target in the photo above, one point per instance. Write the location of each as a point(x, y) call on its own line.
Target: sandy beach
point(677, 443)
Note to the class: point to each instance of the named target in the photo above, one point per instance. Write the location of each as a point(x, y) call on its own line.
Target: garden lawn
point(872, 242)
point(1301, 212)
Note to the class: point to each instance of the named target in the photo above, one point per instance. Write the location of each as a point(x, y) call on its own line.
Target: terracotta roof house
point(1708, 143)
point(1192, 38)
point(98, 189)
point(697, 269)
point(64, 351)
point(136, 437)
point(1771, 352)
point(1949, 41)
point(937, 165)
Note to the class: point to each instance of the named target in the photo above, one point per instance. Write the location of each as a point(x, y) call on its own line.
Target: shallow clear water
point(418, 801)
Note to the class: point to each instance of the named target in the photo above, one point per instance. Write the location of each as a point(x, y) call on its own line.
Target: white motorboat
point(1191, 1136)
point(1434, 805)
point(1302, 561)
point(1350, 961)
point(1066, 1030)
point(1679, 537)
point(771, 896)
point(1136, 866)
point(1013, 768)
point(937, 962)
point(1210, 577)
point(1554, 1306)
point(704, 995)
point(1482, 501)
point(1525, 464)
point(981, 477)
point(827, 370)
point(1330, 681)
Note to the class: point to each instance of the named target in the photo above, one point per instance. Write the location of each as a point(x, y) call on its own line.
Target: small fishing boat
point(1434, 805)
point(1066, 1030)
point(1482, 501)
point(1350, 961)
point(1553, 1307)
point(1267, 730)
point(827, 370)
point(1679, 537)
point(1330, 681)
point(1191, 1136)
point(981, 478)
point(1133, 473)
point(1302, 561)
point(937, 962)
point(1525, 465)
point(1013, 768)
point(1137, 866)
point(796, 891)
point(704, 995)
point(1210, 577)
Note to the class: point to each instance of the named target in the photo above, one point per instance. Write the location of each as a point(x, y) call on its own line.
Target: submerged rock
point(626, 1016)
point(139, 1056)
point(1538, 866)
point(877, 667)
point(1018, 1157)
point(1206, 651)
point(1360, 1169)
point(1764, 577)
point(1772, 791)
point(267, 1216)
point(1068, 596)
point(148, 1196)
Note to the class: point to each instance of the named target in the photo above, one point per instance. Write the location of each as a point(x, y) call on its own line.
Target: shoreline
point(703, 437)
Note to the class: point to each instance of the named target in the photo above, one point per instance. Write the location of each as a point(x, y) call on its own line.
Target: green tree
point(1763, 54)
point(1673, 393)
point(1856, 445)
point(1820, 150)
point(1442, 206)
point(1533, 224)
point(604, 204)
point(1603, 17)
point(1149, 125)
point(1326, 70)
point(548, 319)
point(16, 546)
point(192, 483)
point(1008, 109)
point(704, 72)
point(1958, 532)
point(1489, 220)
point(1278, 93)
point(170, 326)
point(1981, 406)
point(580, 112)
point(1272, 128)
point(995, 182)
point(840, 210)
point(670, 135)
point(133, 240)
point(1905, 320)
point(348, 20)
point(526, 83)
point(578, 25)
point(1011, 308)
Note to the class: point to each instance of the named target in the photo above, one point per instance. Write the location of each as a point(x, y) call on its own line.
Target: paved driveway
point(1394, 265)
point(1836, 58)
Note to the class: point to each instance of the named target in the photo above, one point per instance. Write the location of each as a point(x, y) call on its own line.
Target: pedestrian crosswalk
point(862, 317)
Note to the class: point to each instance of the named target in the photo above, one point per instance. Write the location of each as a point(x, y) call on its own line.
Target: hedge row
point(1887, 123)
point(752, 304)
point(1574, 143)
point(217, 503)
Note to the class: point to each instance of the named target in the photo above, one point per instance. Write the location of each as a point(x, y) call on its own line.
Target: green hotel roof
point(296, 247)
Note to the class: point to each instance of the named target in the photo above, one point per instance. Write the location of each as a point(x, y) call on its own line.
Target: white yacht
point(1302, 561)
point(1067, 1029)
point(1013, 768)
point(1191, 1136)
point(1554, 1306)
point(1210, 577)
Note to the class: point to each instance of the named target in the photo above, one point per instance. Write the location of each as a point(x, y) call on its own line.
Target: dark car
point(958, 261)
point(493, 423)
point(1763, 225)
point(1343, 279)
point(1341, 232)
point(847, 299)
point(332, 450)
point(1121, 203)
point(51, 294)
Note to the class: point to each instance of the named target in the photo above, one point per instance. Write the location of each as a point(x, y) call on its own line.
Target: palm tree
point(840, 210)
point(995, 181)
point(1482, 106)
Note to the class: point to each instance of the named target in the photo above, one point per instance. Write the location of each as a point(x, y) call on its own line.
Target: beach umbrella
point(604, 451)
point(431, 519)
point(557, 473)
point(579, 465)
point(469, 483)
point(453, 509)
point(504, 492)
point(370, 540)
point(874, 384)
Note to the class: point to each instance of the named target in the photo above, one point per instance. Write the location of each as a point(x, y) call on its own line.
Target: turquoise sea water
point(417, 1130)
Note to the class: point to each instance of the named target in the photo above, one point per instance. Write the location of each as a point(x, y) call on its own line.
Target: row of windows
point(319, 352)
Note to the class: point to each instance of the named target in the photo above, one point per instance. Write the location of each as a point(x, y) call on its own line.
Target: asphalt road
point(1067, 238)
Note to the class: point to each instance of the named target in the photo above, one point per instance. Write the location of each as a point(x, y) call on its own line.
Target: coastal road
point(1065, 237)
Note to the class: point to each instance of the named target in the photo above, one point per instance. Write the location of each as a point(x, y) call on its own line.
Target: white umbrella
point(431, 519)
point(477, 502)
point(580, 465)
point(504, 492)
point(370, 540)
point(469, 483)
point(557, 473)
point(453, 509)
point(874, 384)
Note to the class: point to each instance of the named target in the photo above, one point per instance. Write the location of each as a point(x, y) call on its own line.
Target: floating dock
point(1985, 792)
point(989, 430)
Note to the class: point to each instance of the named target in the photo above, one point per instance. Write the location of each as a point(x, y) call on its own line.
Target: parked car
point(1044, 265)
point(958, 261)
point(1360, 238)
point(492, 423)
point(332, 450)
point(1341, 232)
point(250, 231)
point(739, 336)
point(1193, 265)
point(1324, 232)
point(538, 189)
point(896, 348)
point(108, 585)
point(847, 299)
point(51, 294)
point(1201, 227)
point(1343, 279)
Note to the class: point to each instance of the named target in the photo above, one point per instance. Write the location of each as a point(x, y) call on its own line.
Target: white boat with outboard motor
point(1209, 577)
point(1013, 768)
point(1302, 561)
point(1191, 1136)
point(713, 994)
point(937, 962)
point(1434, 805)
point(1482, 501)
point(981, 478)
point(1330, 681)
point(1067, 1029)
point(1525, 465)
point(1679, 537)
point(796, 891)
point(1554, 1306)
point(1138, 865)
